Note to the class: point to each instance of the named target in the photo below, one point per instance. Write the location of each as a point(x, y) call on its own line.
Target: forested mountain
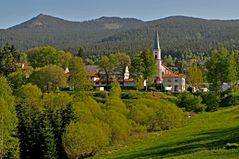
point(112, 34)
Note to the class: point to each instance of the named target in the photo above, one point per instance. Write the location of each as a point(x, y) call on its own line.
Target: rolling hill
point(203, 136)
point(112, 34)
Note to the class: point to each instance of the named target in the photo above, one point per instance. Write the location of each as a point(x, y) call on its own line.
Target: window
point(176, 80)
point(155, 56)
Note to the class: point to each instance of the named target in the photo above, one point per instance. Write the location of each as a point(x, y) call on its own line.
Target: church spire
point(156, 41)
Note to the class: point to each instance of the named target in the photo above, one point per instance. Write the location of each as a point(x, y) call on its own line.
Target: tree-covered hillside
point(111, 34)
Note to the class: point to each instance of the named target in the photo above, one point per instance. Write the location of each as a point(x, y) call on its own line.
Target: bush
point(231, 99)
point(190, 102)
point(210, 100)
point(120, 126)
point(82, 140)
point(167, 117)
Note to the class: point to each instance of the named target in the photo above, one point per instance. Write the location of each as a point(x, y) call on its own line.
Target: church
point(171, 81)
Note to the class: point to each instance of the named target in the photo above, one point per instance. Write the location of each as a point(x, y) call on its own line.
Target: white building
point(171, 81)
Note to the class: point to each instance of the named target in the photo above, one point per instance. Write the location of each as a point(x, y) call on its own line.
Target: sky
point(14, 12)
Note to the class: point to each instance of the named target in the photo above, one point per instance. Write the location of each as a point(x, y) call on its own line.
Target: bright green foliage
point(64, 58)
point(56, 100)
point(29, 95)
point(115, 91)
point(149, 66)
point(79, 78)
point(221, 68)
point(82, 140)
point(120, 126)
point(49, 78)
point(167, 117)
point(195, 76)
point(190, 102)
point(8, 59)
point(42, 56)
point(17, 79)
point(203, 136)
point(9, 144)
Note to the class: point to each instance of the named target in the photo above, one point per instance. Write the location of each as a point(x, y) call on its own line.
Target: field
point(202, 136)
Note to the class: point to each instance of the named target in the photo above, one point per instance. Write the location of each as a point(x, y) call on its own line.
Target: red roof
point(173, 75)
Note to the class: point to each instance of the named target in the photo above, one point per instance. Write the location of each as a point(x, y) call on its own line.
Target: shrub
point(190, 102)
point(211, 101)
point(82, 140)
point(231, 99)
point(120, 126)
point(167, 117)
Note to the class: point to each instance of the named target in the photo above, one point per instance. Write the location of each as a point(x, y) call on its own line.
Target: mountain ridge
point(112, 34)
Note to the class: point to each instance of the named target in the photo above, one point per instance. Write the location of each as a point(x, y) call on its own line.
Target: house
point(98, 77)
point(171, 81)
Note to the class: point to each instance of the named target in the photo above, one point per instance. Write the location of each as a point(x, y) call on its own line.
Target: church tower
point(157, 56)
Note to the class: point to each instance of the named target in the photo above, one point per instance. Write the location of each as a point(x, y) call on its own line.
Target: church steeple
point(157, 56)
point(156, 41)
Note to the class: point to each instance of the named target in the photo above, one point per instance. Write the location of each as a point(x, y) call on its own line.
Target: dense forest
point(112, 34)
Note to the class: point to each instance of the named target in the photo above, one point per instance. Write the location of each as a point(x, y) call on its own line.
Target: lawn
point(202, 136)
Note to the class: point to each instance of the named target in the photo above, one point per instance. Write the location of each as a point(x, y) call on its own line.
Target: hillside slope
point(203, 136)
point(111, 34)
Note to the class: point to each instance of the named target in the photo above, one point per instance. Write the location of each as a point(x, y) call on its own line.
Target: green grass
point(202, 137)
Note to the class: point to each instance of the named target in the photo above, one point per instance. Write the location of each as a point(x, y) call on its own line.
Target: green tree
point(123, 61)
point(149, 66)
point(79, 78)
point(221, 67)
point(47, 140)
point(195, 76)
point(83, 140)
point(17, 79)
point(8, 59)
point(49, 78)
point(107, 66)
point(190, 102)
point(42, 56)
point(136, 71)
point(9, 144)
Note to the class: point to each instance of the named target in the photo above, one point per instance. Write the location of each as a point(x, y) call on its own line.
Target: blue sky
point(13, 12)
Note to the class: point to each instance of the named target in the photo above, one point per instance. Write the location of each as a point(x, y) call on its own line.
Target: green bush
point(190, 102)
point(210, 100)
point(167, 117)
point(231, 99)
point(82, 140)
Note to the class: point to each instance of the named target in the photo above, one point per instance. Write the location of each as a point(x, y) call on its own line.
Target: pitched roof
point(173, 75)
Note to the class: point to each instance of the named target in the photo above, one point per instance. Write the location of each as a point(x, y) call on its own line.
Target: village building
point(164, 76)
point(171, 81)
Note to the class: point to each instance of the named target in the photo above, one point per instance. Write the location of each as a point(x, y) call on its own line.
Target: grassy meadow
point(202, 136)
